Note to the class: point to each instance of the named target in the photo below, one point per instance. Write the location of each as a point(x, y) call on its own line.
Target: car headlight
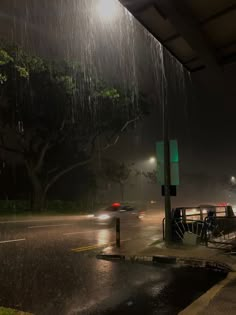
point(141, 215)
point(103, 217)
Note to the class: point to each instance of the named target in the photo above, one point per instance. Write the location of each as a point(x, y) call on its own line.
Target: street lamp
point(152, 160)
point(107, 10)
point(233, 180)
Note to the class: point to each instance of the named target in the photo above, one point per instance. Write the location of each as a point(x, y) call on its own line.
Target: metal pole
point(168, 235)
point(168, 231)
point(118, 232)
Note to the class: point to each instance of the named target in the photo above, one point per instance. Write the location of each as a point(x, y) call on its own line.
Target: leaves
point(35, 64)
point(4, 57)
point(67, 83)
point(54, 103)
point(57, 93)
point(110, 93)
point(23, 72)
point(3, 78)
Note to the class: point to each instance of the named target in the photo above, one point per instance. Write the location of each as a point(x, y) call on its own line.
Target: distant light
point(107, 9)
point(222, 204)
point(193, 211)
point(153, 202)
point(234, 209)
point(233, 179)
point(116, 205)
point(152, 159)
point(103, 217)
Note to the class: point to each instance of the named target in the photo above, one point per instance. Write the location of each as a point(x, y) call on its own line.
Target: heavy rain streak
point(102, 36)
point(89, 100)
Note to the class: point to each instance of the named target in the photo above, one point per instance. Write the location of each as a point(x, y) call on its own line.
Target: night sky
point(202, 107)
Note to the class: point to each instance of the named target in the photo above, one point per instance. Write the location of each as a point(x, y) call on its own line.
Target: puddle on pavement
point(51, 282)
point(183, 286)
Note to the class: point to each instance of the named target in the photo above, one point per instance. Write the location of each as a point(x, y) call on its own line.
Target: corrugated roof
point(192, 30)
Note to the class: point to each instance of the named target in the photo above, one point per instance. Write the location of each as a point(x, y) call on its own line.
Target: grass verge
point(10, 311)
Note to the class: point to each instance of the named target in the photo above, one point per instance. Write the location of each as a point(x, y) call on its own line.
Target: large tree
point(54, 118)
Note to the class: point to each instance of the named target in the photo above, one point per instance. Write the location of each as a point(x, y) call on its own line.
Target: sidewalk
point(220, 299)
point(224, 302)
point(182, 254)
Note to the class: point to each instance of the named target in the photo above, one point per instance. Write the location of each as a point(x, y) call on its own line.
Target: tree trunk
point(38, 198)
point(38, 195)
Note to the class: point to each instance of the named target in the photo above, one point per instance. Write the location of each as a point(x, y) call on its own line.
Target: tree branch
point(81, 163)
point(6, 148)
point(117, 134)
point(42, 156)
point(52, 170)
point(66, 170)
point(70, 168)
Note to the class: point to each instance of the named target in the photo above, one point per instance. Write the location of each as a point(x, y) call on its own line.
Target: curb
point(201, 304)
point(163, 259)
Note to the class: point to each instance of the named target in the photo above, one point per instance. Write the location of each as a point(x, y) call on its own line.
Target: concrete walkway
point(146, 248)
point(220, 299)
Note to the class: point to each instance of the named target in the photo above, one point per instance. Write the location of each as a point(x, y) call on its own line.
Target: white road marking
point(23, 221)
point(45, 226)
point(11, 241)
point(45, 220)
point(80, 232)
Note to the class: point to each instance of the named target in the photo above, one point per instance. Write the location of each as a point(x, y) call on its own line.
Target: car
point(116, 210)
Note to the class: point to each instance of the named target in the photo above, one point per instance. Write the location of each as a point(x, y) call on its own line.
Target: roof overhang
point(199, 33)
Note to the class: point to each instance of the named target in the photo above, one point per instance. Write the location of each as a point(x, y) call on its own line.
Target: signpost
point(167, 174)
point(172, 190)
point(174, 163)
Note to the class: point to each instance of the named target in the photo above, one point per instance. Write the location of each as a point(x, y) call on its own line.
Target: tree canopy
point(52, 115)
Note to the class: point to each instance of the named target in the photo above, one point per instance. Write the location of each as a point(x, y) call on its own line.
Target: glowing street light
point(152, 160)
point(233, 180)
point(107, 10)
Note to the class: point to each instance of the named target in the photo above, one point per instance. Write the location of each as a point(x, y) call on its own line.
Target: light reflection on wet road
point(42, 275)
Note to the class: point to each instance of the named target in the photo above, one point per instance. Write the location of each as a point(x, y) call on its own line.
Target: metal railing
point(179, 227)
point(190, 226)
point(218, 232)
point(163, 228)
point(222, 233)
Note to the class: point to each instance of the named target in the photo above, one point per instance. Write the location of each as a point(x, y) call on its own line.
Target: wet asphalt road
point(49, 267)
